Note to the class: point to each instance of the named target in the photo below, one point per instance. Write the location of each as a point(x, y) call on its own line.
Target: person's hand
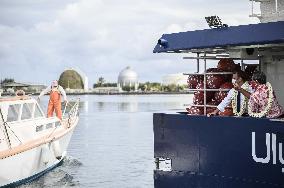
point(237, 87)
point(211, 114)
point(65, 102)
point(214, 113)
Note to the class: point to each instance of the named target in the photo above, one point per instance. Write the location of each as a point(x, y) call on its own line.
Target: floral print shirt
point(259, 99)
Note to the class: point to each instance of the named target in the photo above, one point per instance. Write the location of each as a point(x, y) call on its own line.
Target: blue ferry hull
point(218, 151)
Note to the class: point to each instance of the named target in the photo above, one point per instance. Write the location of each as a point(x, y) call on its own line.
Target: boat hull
point(218, 151)
point(31, 164)
point(34, 177)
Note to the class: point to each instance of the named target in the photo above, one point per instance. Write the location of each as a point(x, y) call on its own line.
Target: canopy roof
point(220, 38)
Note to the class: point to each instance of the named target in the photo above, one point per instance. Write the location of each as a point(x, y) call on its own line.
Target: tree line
point(147, 86)
point(7, 80)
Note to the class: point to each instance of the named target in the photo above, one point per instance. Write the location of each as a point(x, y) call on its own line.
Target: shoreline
point(113, 93)
point(129, 93)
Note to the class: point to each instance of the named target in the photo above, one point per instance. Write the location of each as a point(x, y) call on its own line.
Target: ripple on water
point(61, 176)
point(71, 162)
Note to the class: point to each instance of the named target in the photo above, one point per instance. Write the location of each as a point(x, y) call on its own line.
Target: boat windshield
point(22, 111)
point(27, 111)
point(37, 112)
point(13, 112)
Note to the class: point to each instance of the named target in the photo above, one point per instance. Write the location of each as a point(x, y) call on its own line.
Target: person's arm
point(63, 93)
point(243, 91)
point(43, 92)
point(250, 90)
point(225, 102)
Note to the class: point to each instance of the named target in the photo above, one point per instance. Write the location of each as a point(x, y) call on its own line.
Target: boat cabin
point(24, 120)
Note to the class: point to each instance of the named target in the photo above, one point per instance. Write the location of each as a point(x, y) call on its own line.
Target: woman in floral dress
point(263, 102)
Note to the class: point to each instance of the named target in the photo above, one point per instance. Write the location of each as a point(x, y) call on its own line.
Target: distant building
point(36, 88)
point(127, 79)
point(106, 90)
point(74, 79)
point(175, 79)
point(12, 87)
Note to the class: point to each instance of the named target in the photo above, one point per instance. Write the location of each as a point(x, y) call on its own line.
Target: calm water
point(112, 145)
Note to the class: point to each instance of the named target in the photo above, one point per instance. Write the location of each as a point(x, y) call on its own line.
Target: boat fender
point(57, 149)
point(20, 92)
point(45, 154)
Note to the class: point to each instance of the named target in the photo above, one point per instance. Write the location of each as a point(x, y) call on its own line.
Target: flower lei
point(243, 104)
point(267, 108)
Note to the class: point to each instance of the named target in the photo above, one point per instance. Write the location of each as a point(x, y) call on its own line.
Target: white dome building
point(127, 78)
point(176, 79)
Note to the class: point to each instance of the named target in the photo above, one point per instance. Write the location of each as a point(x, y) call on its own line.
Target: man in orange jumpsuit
point(55, 91)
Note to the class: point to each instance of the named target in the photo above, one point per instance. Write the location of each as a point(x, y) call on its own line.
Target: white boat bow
point(30, 143)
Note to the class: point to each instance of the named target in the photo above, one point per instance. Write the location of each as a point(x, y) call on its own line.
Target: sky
point(42, 38)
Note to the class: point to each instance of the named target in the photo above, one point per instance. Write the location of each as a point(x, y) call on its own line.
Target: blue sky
point(41, 38)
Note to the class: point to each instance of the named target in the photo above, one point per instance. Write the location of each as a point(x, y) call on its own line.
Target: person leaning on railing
point(237, 95)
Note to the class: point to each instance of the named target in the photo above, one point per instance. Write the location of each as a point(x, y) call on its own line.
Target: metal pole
point(259, 64)
point(197, 71)
point(259, 60)
point(65, 108)
point(204, 94)
point(252, 7)
point(6, 131)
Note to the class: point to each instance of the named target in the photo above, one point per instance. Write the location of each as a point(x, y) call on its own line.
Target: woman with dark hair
point(259, 77)
point(263, 102)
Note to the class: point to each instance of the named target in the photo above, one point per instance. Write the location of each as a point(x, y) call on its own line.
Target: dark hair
point(260, 77)
point(242, 74)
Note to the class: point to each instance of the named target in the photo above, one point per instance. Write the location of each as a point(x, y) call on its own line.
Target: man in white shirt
point(236, 96)
point(55, 91)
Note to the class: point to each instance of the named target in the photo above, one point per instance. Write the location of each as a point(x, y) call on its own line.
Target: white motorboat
point(30, 143)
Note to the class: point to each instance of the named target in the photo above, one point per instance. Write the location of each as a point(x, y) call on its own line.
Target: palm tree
point(101, 81)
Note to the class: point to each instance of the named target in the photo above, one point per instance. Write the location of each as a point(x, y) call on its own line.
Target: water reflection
point(116, 106)
point(130, 107)
point(100, 105)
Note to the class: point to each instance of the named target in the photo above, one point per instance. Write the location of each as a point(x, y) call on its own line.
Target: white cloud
point(39, 39)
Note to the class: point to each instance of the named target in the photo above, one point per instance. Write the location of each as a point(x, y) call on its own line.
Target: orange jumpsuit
point(54, 104)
